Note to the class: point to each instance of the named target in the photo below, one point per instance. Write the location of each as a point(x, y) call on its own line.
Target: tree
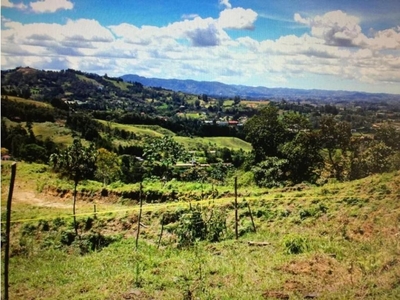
point(388, 134)
point(335, 138)
point(107, 165)
point(34, 153)
point(236, 100)
point(271, 172)
point(162, 153)
point(131, 169)
point(265, 132)
point(303, 156)
point(76, 163)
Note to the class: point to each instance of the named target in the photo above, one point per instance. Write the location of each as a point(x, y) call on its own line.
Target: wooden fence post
point(251, 217)
point(236, 211)
point(161, 233)
point(8, 229)
point(140, 216)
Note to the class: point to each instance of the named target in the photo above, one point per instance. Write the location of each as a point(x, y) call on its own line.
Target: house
point(6, 157)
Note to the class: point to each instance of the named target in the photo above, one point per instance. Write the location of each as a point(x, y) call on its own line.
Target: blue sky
point(338, 45)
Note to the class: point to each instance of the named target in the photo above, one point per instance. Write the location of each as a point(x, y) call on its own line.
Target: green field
point(122, 85)
point(140, 130)
point(189, 142)
point(58, 133)
point(29, 101)
point(232, 143)
point(338, 241)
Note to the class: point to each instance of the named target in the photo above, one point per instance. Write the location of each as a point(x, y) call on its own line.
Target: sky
point(333, 45)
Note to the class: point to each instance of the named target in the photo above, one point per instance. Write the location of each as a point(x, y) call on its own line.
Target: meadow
point(336, 241)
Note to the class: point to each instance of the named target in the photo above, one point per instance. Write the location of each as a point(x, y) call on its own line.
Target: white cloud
point(237, 18)
point(336, 28)
point(8, 4)
point(386, 39)
point(50, 6)
point(190, 16)
point(225, 3)
point(200, 47)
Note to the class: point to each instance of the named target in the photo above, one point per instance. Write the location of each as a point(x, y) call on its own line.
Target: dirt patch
point(319, 273)
point(37, 200)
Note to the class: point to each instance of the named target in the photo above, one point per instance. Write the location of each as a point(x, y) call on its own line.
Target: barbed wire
point(181, 205)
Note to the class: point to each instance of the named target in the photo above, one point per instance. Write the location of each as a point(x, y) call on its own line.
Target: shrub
point(294, 244)
point(193, 227)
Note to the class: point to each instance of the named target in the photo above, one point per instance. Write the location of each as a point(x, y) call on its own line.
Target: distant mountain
point(218, 89)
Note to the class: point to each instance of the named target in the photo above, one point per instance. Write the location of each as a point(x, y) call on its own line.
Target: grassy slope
point(349, 233)
point(190, 143)
point(232, 143)
point(57, 132)
point(29, 101)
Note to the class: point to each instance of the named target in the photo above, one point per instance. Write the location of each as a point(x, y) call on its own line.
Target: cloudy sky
point(322, 44)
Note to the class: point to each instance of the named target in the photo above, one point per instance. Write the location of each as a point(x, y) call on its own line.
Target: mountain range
point(219, 89)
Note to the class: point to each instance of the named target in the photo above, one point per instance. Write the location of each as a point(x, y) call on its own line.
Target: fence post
point(140, 216)
point(161, 233)
point(94, 211)
point(251, 217)
point(236, 211)
point(8, 229)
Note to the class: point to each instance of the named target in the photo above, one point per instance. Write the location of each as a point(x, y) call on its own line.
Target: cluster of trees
point(20, 111)
point(21, 142)
point(286, 149)
point(78, 162)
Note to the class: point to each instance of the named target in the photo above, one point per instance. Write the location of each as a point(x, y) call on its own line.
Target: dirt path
point(37, 200)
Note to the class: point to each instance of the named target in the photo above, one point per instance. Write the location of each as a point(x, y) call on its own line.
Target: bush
point(193, 227)
point(295, 244)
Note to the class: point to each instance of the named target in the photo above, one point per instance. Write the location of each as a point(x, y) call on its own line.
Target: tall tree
point(77, 163)
point(107, 165)
point(303, 156)
point(335, 138)
point(163, 153)
point(265, 132)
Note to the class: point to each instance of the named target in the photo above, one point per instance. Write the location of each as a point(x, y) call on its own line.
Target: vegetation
point(335, 241)
point(317, 188)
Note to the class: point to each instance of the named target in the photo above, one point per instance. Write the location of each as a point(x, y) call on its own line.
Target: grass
point(189, 142)
point(337, 241)
point(141, 130)
point(58, 133)
point(90, 80)
point(214, 142)
point(29, 101)
point(121, 84)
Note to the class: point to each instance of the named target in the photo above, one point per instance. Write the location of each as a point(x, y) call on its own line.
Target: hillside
point(339, 241)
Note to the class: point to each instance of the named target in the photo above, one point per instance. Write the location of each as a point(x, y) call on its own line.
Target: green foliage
point(219, 171)
point(265, 132)
point(107, 166)
point(76, 162)
point(132, 170)
point(216, 225)
point(270, 172)
point(191, 227)
point(161, 154)
point(194, 227)
point(34, 153)
point(295, 244)
point(279, 140)
point(335, 136)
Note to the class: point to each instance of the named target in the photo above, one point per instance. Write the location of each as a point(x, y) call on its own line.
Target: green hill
point(337, 241)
